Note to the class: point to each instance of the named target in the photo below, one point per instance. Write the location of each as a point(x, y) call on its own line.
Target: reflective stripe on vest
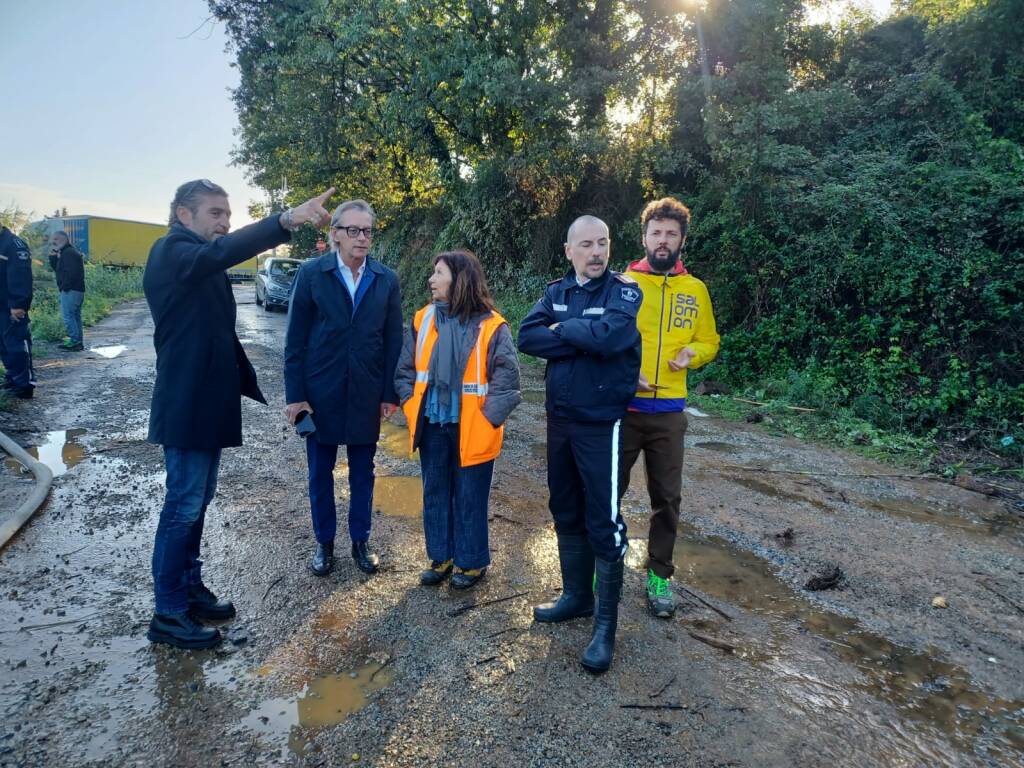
point(479, 441)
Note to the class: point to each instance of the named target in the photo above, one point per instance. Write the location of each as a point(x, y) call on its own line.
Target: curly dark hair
point(666, 208)
point(468, 294)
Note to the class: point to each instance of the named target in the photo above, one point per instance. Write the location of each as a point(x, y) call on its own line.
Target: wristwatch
point(287, 222)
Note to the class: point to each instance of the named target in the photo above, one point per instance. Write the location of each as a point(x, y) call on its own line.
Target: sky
point(109, 105)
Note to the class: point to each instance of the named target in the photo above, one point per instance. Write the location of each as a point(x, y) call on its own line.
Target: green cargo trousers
point(660, 437)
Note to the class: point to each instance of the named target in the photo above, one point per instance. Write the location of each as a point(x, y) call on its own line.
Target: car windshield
point(283, 268)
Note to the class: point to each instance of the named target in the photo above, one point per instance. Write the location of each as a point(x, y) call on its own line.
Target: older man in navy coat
point(344, 338)
point(201, 372)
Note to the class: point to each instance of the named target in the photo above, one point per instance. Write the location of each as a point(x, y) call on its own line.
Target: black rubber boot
point(205, 605)
point(181, 631)
point(598, 656)
point(576, 559)
point(323, 559)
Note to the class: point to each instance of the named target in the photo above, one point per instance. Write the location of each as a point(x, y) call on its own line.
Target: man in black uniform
point(15, 300)
point(68, 265)
point(585, 326)
point(201, 374)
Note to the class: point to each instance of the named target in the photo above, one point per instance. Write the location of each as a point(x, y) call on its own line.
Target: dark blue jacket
point(201, 368)
point(15, 272)
point(594, 353)
point(342, 360)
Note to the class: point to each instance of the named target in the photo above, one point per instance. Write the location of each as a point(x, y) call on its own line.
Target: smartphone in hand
point(304, 426)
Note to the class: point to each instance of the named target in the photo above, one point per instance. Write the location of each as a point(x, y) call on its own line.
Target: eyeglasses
point(353, 232)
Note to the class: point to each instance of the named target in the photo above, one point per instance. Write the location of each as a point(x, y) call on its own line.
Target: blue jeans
point(454, 500)
point(191, 483)
point(321, 459)
point(71, 313)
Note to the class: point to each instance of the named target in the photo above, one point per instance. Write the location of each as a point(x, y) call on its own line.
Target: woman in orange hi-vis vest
point(458, 380)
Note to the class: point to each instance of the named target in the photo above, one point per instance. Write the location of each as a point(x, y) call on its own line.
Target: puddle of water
point(395, 440)
point(58, 451)
point(920, 686)
point(398, 496)
point(713, 445)
point(691, 411)
point(767, 489)
point(994, 522)
point(535, 396)
point(322, 703)
point(109, 352)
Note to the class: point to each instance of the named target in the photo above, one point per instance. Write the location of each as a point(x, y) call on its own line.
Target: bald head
point(587, 247)
point(585, 224)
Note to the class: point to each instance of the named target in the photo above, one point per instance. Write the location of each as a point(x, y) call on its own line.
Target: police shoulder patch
point(556, 281)
point(630, 294)
point(624, 278)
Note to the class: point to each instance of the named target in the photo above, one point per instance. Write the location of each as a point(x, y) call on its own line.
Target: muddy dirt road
point(379, 671)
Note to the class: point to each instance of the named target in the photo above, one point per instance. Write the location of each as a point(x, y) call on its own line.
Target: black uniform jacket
point(594, 352)
point(15, 272)
point(201, 368)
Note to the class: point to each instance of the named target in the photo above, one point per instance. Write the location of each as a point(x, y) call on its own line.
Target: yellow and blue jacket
point(676, 312)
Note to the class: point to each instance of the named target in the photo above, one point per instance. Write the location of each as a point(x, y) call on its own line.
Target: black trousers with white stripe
point(583, 477)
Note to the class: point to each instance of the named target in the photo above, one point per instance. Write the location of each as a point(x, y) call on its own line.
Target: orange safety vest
point(479, 441)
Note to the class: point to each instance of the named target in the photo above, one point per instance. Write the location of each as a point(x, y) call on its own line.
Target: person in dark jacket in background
point(585, 327)
point(201, 373)
point(458, 380)
point(69, 266)
point(344, 336)
point(15, 301)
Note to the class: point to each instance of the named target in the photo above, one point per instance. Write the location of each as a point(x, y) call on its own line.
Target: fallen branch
point(58, 623)
point(654, 706)
point(273, 584)
point(704, 602)
point(918, 476)
point(994, 591)
point(714, 642)
point(73, 552)
point(381, 668)
point(503, 631)
point(506, 518)
point(790, 407)
point(469, 607)
point(661, 690)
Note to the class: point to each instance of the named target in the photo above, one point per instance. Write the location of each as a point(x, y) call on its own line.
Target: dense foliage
point(857, 188)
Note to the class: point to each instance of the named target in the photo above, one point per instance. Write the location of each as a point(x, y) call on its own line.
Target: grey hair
point(190, 194)
point(352, 205)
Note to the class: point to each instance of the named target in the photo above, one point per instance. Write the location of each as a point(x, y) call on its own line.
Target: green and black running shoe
point(660, 600)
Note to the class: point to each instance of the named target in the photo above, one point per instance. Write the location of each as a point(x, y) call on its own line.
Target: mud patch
point(719, 447)
point(922, 687)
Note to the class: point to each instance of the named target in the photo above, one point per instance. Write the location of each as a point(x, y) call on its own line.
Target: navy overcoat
point(340, 355)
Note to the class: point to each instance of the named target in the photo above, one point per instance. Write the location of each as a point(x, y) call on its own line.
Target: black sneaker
point(466, 579)
point(203, 604)
point(436, 573)
point(181, 631)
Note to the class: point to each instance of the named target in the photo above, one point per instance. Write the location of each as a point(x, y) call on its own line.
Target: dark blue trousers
point(191, 484)
point(322, 459)
point(454, 500)
point(583, 479)
point(16, 352)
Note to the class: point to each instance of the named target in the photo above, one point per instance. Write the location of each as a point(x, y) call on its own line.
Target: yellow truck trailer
point(123, 243)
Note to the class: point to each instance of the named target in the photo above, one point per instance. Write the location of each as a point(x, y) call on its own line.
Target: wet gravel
point(869, 674)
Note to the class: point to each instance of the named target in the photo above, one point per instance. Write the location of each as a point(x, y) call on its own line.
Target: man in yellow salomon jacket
point(677, 326)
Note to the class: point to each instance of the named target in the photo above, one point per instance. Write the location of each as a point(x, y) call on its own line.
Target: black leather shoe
point(598, 656)
point(203, 604)
point(181, 631)
point(323, 559)
point(576, 560)
point(365, 559)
